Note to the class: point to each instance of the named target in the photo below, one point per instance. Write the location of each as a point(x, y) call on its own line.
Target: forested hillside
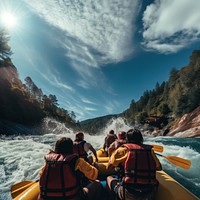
point(173, 98)
point(94, 126)
point(25, 103)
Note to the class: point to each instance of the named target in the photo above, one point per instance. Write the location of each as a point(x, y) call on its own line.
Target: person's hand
point(108, 166)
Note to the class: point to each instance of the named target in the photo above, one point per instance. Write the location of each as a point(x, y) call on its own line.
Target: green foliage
point(163, 109)
point(25, 103)
point(187, 103)
point(5, 50)
point(183, 103)
point(141, 117)
point(179, 95)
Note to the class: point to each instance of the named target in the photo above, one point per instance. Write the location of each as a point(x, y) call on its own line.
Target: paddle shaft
point(185, 164)
point(157, 148)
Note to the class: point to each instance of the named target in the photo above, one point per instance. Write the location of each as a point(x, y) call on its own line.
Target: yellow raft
point(169, 189)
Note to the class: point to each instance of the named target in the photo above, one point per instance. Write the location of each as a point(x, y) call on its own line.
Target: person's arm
point(158, 164)
point(104, 145)
point(88, 170)
point(94, 152)
point(118, 157)
point(111, 149)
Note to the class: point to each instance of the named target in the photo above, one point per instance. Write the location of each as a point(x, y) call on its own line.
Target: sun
point(9, 20)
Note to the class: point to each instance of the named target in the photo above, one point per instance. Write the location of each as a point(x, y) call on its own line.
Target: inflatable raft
point(169, 189)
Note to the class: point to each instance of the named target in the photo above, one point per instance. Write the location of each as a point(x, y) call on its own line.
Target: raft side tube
point(170, 189)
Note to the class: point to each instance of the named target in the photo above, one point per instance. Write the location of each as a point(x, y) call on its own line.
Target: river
point(21, 157)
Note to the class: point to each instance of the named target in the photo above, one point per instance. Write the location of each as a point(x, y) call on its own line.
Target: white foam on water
point(117, 125)
point(192, 174)
point(22, 157)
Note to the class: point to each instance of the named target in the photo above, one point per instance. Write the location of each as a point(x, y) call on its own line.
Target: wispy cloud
point(110, 106)
point(102, 30)
point(90, 109)
point(91, 78)
point(48, 72)
point(58, 83)
point(83, 84)
point(92, 34)
point(171, 25)
point(84, 100)
point(109, 109)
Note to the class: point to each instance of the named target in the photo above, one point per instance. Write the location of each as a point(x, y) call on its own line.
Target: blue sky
point(96, 56)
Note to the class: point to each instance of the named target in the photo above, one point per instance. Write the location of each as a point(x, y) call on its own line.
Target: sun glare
point(9, 20)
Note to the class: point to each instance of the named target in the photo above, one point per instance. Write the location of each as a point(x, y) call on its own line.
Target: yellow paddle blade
point(18, 188)
point(181, 162)
point(157, 148)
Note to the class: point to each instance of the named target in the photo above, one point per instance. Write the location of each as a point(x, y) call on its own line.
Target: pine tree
point(5, 50)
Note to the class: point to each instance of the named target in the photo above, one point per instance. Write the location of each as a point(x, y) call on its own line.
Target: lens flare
point(9, 20)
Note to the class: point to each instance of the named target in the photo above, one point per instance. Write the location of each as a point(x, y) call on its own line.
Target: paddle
point(157, 148)
point(18, 188)
point(181, 162)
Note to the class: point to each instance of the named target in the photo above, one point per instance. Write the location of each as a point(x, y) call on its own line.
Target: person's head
point(79, 136)
point(134, 136)
point(64, 146)
point(111, 132)
point(122, 135)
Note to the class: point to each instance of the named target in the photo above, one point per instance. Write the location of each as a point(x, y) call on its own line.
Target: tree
point(140, 118)
point(157, 87)
point(53, 99)
point(73, 115)
point(5, 50)
point(174, 75)
point(194, 97)
point(164, 109)
point(182, 107)
point(133, 107)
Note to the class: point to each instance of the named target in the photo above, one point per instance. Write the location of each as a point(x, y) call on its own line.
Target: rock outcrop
point(187, 126)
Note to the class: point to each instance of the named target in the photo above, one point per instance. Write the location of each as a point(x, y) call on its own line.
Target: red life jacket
point(110, 138)
point(140, 166)
point(119, 143)
point(79, 149)
point(58, 178)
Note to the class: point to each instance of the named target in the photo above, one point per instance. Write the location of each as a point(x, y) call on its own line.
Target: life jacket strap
point(54, 190)
point(44, 192)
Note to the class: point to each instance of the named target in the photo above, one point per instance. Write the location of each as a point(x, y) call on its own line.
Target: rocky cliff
point(187, 126)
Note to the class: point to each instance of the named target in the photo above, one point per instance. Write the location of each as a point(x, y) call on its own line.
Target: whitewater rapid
point(22, 157)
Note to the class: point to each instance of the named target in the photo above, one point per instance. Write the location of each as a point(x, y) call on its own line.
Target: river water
point(21, 157)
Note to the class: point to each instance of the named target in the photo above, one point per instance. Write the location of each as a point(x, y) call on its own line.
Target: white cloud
point(110, 106)
point(61, 85)
point(84, 100)
point(171, 24)
point(109, 109)
point(89, 109)
point(83, 84)
point(92, 78)
point(50, 75)
point(79, 53)
point(102, 31)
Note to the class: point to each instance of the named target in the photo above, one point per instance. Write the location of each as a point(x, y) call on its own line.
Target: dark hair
point(64, 146)
point(134, 136)
point(111, 132)
point(79, 136)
